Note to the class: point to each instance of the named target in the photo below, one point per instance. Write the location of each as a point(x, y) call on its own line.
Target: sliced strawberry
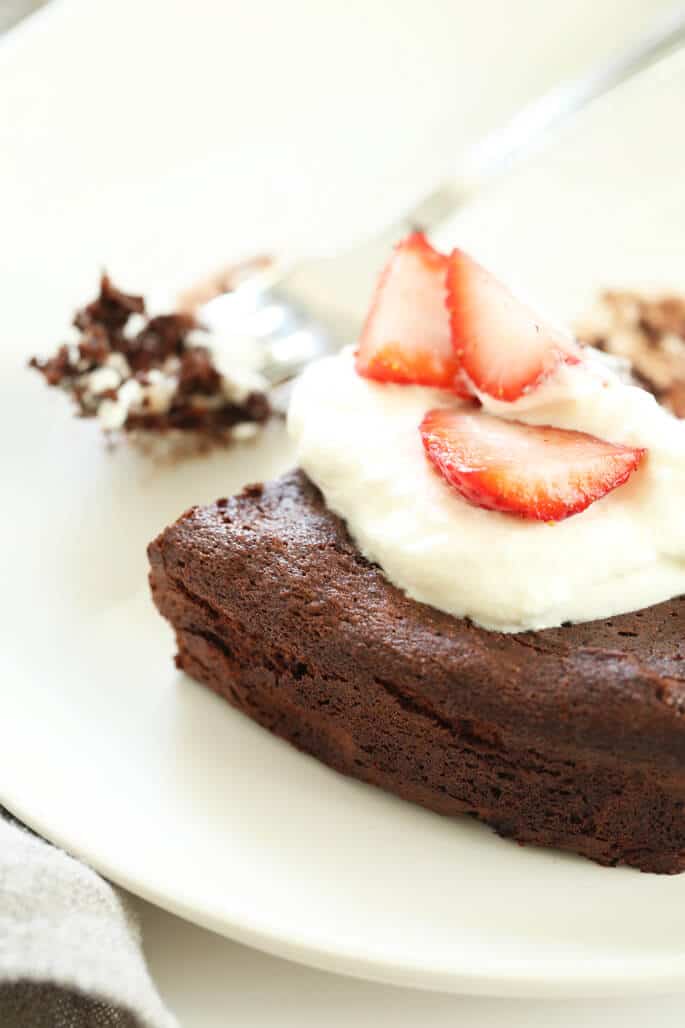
point(505, 349)
point(407, 337)
point(534, 471)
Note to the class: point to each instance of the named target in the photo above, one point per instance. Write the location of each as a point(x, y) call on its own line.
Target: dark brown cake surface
point(571, 737)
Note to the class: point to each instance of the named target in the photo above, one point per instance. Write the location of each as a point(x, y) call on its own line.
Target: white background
point(314, 122)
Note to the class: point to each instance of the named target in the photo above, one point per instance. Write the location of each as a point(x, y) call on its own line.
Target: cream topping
point(359, 442)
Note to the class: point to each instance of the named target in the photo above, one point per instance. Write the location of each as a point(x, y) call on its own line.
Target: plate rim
point(502, 977)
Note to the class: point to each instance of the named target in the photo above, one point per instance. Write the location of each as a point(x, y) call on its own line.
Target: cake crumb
point(153, 375)
point(649, 333)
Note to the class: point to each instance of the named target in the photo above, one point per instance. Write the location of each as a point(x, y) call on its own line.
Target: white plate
point(107, 750)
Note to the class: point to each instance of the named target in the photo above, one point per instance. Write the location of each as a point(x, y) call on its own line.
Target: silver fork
point(301, 310)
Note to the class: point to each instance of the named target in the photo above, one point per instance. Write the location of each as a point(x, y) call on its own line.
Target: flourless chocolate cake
point(571, 737)
point(519, 493)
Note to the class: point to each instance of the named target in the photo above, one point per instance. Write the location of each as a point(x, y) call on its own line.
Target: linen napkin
point(70, 946)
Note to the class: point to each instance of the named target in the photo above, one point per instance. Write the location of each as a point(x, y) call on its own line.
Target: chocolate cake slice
point(571, 737)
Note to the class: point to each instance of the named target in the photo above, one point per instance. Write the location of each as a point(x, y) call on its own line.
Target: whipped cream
point(238, 354)
point(359, 442)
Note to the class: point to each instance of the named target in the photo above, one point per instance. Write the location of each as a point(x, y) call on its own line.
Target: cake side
point(570, 738)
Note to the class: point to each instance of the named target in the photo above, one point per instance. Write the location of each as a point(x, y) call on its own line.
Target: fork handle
point(530, 127)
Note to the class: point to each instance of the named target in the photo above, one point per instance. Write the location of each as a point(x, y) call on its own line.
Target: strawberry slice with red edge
point(533, 471)
point(407, 337)
point(503, 347)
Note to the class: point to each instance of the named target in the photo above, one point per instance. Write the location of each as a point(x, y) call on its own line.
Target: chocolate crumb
point(197, 373)
point(649, 332)
point(54, 368)
point(110, 310)
point(164, 336)
point(141, 374)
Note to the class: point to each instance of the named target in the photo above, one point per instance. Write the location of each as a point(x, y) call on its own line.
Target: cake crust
point(571, 737)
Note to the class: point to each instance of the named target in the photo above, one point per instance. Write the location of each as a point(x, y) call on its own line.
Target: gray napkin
point(70, 948)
